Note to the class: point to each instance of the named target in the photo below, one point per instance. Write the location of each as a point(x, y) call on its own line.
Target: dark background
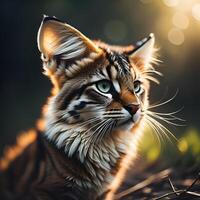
point(24, 89)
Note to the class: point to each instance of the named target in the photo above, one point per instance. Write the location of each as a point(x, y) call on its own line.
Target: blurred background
point(176, 24)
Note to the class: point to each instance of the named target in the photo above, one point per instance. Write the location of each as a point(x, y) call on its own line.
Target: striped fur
point(94, 118)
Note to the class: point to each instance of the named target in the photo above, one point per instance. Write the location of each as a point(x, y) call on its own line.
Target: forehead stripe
point(100, 72)
point(113, 72)
point(116, 86)
point(105, 72)
point(109, 72)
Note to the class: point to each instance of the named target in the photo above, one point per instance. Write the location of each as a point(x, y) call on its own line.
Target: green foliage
point(185, 152)
point(150, 147)
point(190, 141)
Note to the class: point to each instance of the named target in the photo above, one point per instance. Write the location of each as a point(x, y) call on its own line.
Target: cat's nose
point(132, 108)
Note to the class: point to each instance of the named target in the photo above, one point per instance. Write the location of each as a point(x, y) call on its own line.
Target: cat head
point(99, 88)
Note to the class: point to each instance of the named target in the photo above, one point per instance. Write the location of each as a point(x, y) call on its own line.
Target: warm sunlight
point(183, 13)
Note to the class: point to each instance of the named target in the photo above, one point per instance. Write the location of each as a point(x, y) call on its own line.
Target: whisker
point(165, 119)
point(89, 138)
point(169, 115)
point(85, 123)
point(165, 102)
point(158, 130)
point(106, 129)
point(162, 128)
point(113, 111)
point(93, 136)
point(157, 134)
point(97, 124)
point(114, 116)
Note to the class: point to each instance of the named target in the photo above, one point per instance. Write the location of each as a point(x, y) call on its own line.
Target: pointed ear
point(56, 38)
point(64, 50)
point(143, 54)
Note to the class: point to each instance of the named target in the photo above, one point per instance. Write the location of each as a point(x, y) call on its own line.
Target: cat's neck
point(100, 160)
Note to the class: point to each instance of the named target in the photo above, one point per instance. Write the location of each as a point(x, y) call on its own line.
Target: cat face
point(111, 95)
point(98, 88)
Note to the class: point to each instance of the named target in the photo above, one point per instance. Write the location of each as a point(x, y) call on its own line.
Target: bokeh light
point(171, 3)
point(180, 20)
point(182, 14)
point(183, 145)
point(196, 11)
point(176, 36)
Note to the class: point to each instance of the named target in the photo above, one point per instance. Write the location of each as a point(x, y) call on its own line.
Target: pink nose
point(132, 108)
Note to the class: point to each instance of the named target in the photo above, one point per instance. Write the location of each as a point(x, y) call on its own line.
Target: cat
point(92, 121)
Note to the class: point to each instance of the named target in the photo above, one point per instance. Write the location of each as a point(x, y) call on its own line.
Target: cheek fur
point(89, 105)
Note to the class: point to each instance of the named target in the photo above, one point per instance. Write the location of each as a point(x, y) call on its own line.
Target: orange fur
point(11, 153)
point(128, 97)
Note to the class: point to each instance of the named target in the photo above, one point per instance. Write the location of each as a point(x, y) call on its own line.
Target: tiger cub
point(92, 121)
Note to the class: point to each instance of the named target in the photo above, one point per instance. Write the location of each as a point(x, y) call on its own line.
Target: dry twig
point(152, 179)
point(175, 194)
point(180, 194)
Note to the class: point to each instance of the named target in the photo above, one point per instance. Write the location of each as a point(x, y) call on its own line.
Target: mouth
point(131, 121)
point(136, 117)
point(127, 124)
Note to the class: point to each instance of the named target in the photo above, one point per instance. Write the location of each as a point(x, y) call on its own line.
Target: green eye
point(103, 86)
point(137, 87)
